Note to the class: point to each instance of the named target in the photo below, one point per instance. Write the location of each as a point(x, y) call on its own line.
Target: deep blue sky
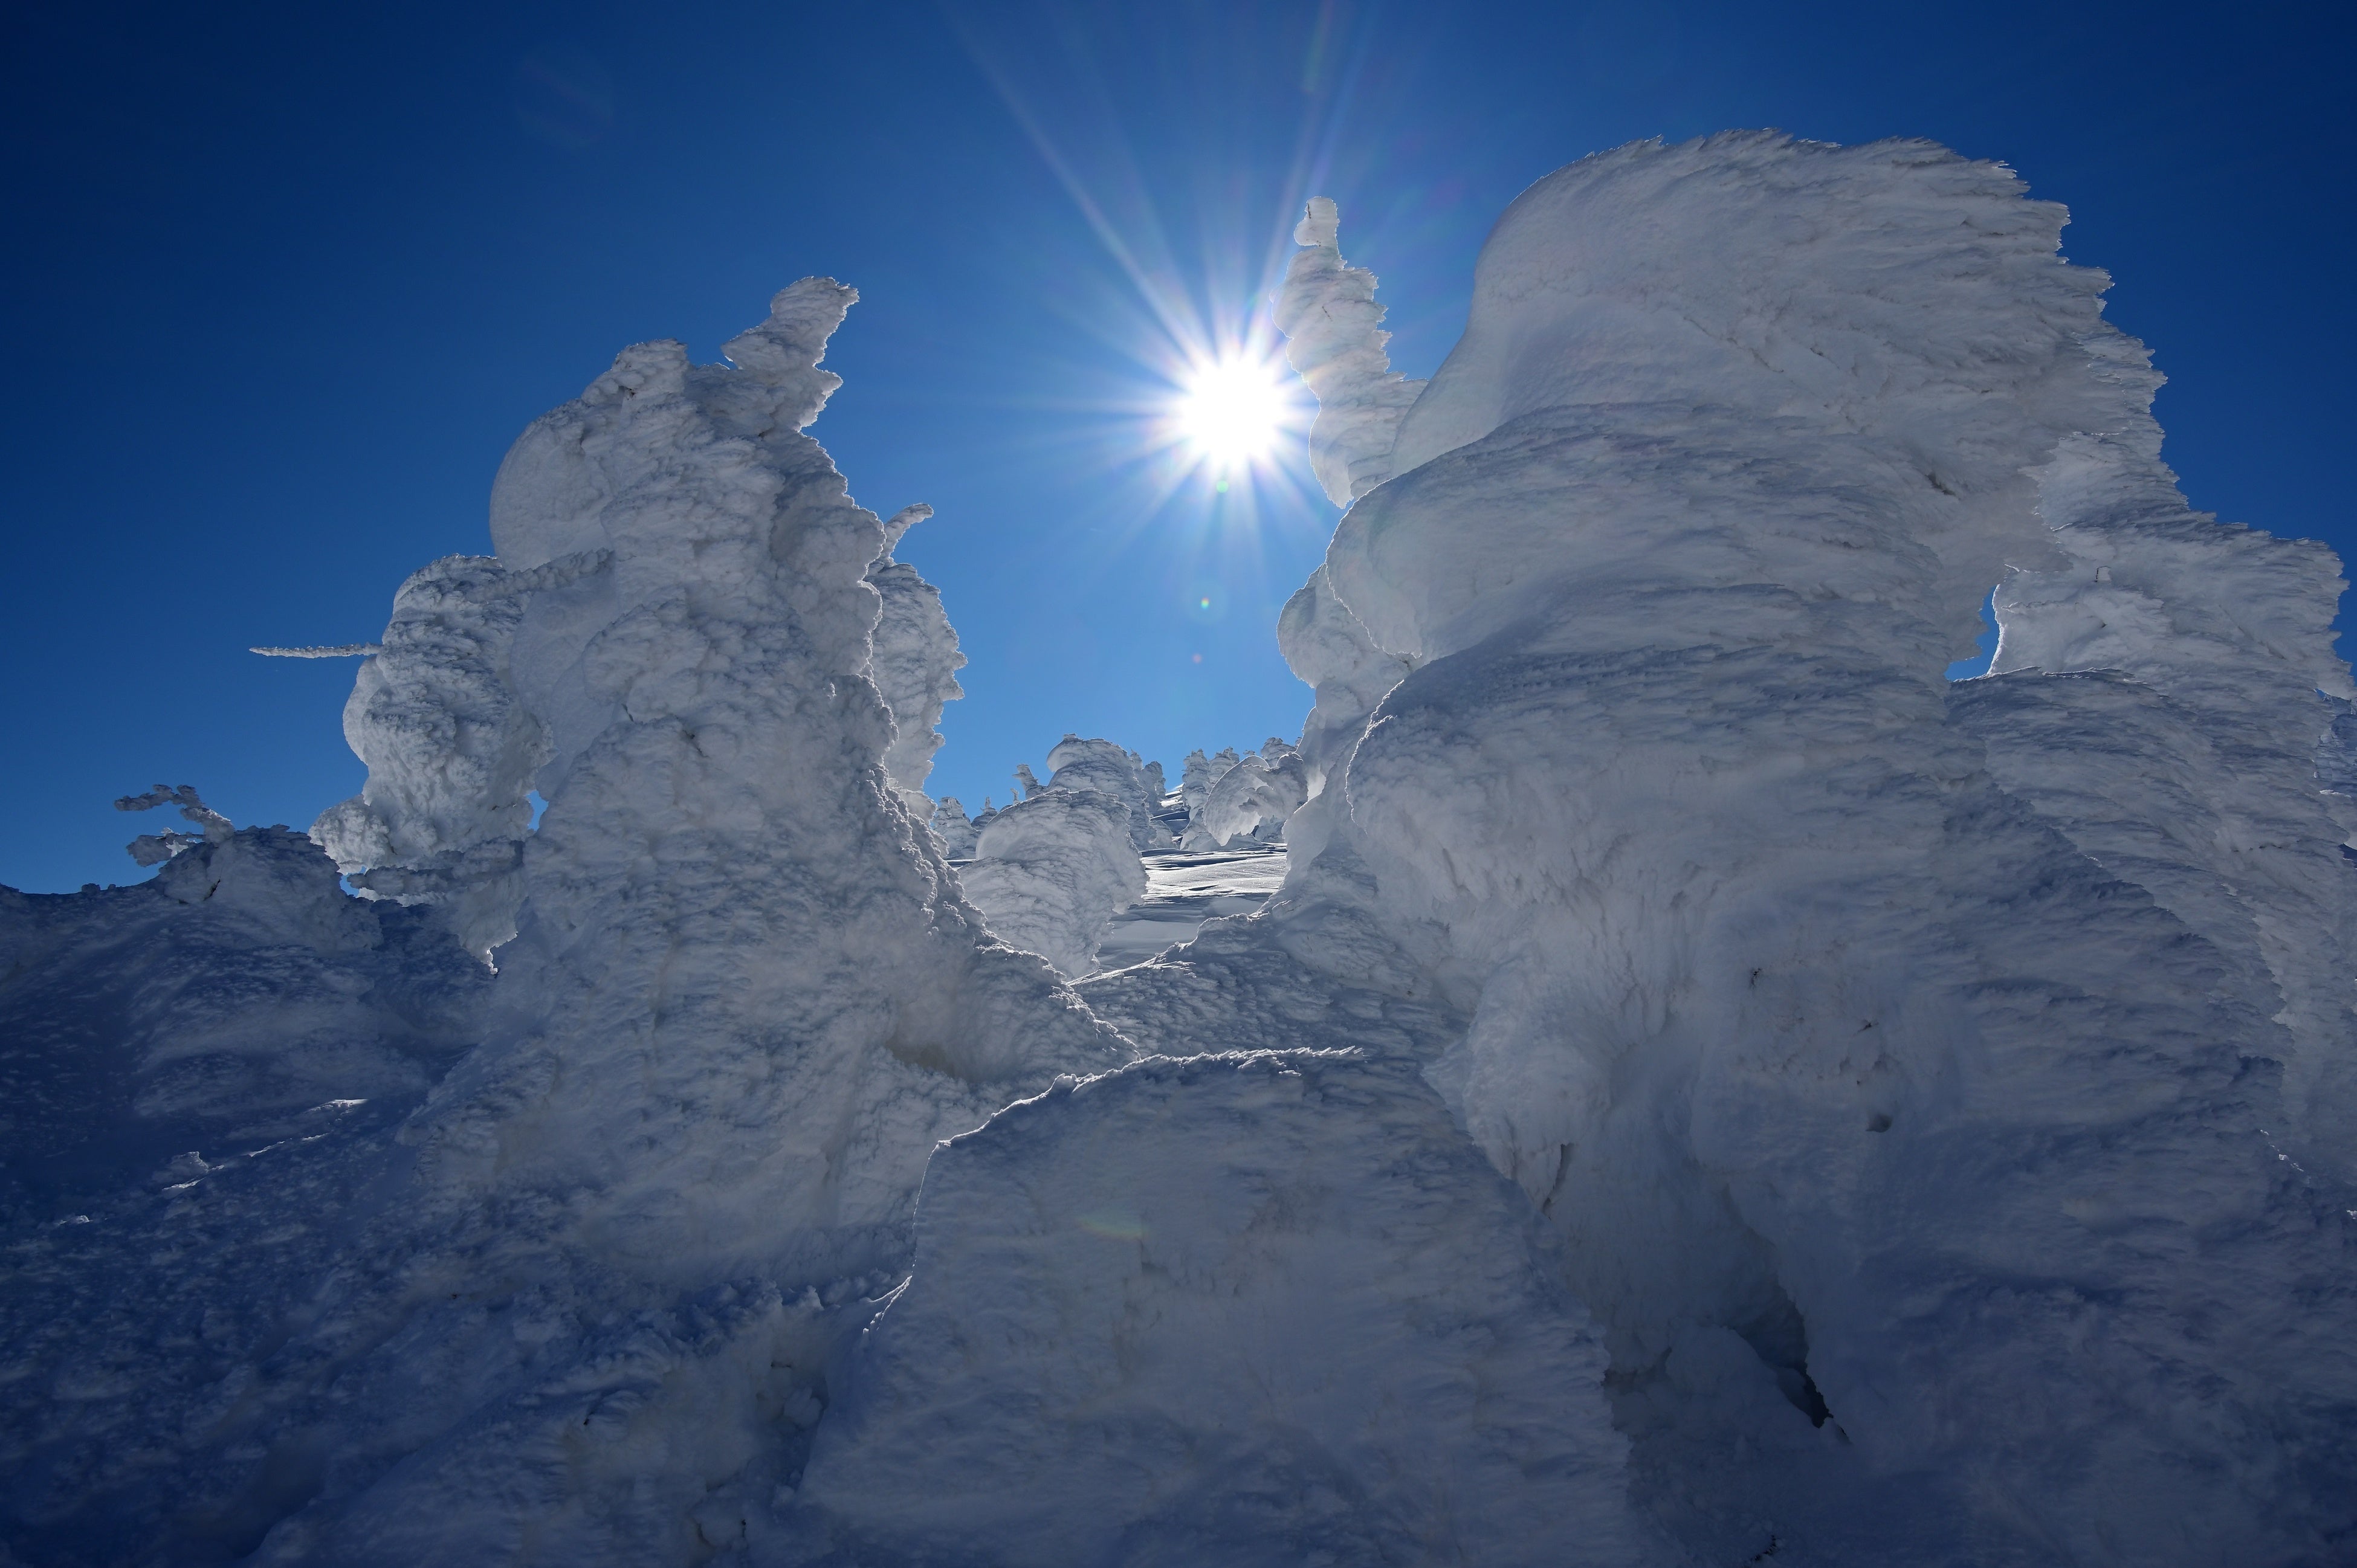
point(284, 283)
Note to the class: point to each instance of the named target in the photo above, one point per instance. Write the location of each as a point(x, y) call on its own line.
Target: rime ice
point(1707, 1088)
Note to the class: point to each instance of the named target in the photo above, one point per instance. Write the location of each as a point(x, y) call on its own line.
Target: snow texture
point(1199, 773)
point(199, 1076)
point(451, 754)
point(1260, 1309)
point(154, 849)
point(956, 832)
point(593, 1283)
point(337, 650)
point(1184, 890)
point(916, 660)
point(1707, 1090)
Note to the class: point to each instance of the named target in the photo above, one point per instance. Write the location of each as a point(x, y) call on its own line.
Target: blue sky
point(285, 282)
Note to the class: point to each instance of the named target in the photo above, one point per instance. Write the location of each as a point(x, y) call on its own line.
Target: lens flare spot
point(1232, 411)
point(1115, 1225)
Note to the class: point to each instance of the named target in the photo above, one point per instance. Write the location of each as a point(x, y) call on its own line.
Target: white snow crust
point(1183, 890)
point(1235, 1309)
point(1707, 1090)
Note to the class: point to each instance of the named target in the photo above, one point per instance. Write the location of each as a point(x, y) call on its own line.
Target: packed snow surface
point(1654, 1074)
point(1183, 890)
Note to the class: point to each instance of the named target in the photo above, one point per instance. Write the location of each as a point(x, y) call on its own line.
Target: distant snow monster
point(1050, 872)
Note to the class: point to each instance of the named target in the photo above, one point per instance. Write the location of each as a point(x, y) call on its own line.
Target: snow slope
point(1259, 1309)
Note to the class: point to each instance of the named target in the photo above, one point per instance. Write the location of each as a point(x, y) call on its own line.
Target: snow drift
point(1168, 1316)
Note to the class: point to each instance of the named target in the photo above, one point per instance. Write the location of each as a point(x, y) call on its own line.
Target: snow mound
point(198, 1076)
point(238, 987)
point(1050, 873)
point(1238, 1310)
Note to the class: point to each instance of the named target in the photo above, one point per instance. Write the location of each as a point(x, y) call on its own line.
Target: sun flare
point(1232, 411)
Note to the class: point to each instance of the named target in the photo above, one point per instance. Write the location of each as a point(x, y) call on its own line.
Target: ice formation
point(955, 831)
point(451, 753)
point(154, 849)
point(1251, 801)
point(1708, 1090)
point(1199, 773)
point(1076, 764)
point(1051, 871)
point(916, 662)
point(592, 1287)
point(1924, 1052)
point(1327, 312)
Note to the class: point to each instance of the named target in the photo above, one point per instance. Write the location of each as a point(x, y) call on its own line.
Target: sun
point(1232, 411)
